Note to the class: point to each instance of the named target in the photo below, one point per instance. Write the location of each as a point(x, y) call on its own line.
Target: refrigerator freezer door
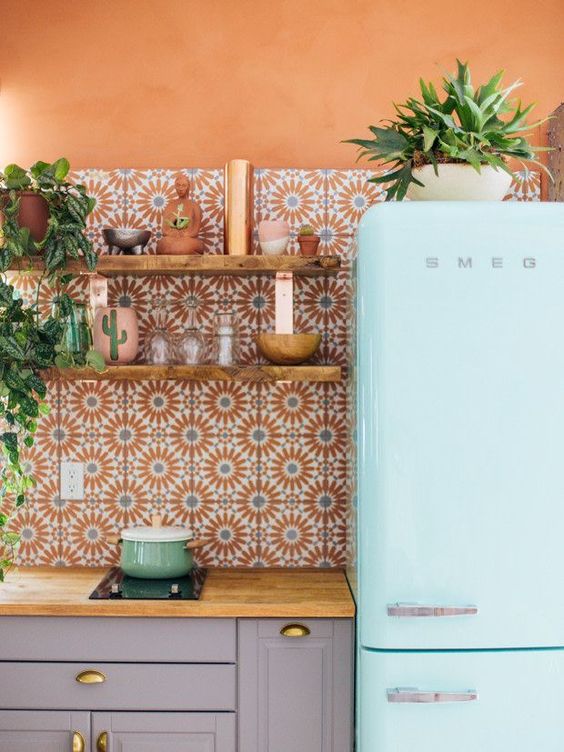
point(491, 701)
point(461, 425)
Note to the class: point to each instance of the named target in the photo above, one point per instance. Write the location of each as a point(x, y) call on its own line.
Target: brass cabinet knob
point(102, 742)
point(78, 742)
point(90, 676)
point(295, 630)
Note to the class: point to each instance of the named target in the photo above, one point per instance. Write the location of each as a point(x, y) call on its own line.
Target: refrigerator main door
point(461, 425)
point(462, 702)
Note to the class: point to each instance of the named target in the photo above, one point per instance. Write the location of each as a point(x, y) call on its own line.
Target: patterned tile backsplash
point(260, 471)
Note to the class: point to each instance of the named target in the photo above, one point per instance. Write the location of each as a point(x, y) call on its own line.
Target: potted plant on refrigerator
point(453, 147)
point(30, 343)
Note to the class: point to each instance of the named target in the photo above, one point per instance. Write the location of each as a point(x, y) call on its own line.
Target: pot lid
point(156, 534)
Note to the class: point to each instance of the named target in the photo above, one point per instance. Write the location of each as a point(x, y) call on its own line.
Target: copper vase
point(238, 211)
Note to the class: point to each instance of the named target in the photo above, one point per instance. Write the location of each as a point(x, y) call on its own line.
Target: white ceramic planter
point(274, 247)
point(459, 182)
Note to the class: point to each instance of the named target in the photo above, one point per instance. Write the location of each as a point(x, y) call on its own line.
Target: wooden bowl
point(288, 349)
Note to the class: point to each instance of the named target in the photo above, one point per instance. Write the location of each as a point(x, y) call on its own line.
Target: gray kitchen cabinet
point(47, 731)
point(156, 732)
point(180, 685)
point(295, 685)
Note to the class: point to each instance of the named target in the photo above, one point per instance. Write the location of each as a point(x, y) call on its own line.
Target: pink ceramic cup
point(273, 229)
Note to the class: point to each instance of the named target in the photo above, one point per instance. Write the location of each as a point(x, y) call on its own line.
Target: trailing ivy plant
point(29, 343)
point(479, 127)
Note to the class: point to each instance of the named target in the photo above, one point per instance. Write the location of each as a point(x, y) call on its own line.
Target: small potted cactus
point(308, 240)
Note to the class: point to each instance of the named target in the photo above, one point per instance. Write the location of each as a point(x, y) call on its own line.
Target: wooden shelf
point(210, 264)
point(199, 373)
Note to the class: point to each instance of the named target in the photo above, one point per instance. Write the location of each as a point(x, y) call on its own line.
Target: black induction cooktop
point(119, 586)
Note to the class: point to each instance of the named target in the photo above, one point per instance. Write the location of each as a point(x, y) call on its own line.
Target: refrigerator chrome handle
point(414, 609)
point(417, 696)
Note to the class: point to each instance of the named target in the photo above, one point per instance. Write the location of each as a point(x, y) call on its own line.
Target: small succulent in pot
point(463, 139)
point(308, 240)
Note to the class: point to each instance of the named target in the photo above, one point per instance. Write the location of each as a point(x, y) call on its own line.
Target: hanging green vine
point(28, 343)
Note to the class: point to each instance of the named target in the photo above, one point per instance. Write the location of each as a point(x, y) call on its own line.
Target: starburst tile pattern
point(207, 191)
point(295, 196)
point(107, 189)
point(525, 187)
point(263, 474)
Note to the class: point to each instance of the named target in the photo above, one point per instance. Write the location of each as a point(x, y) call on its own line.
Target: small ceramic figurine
point(182, 222)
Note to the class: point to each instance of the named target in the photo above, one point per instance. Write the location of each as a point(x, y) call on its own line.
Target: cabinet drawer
point(54, 638)
point(141, 686)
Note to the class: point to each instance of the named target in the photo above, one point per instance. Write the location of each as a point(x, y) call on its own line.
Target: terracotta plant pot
point(116, 334)
point(459, 182)
point(309, 244)
point(33, 213)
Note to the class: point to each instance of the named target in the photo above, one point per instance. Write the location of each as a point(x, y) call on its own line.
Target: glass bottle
point(77, 337)
point(191, 345)
point(225, 350)
point(159, 345)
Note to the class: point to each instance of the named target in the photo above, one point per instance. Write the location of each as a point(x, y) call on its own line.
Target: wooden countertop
point(253, 593)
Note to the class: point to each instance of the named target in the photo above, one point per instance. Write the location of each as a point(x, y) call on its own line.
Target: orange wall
point(177, 82)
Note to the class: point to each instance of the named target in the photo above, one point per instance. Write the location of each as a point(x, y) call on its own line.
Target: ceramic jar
point(116, 334)
point(274, 235)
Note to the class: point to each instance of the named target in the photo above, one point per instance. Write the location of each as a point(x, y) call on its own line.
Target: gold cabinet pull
point(90, 676)
point(102, 742)
point(77, 742)
point(295, 630)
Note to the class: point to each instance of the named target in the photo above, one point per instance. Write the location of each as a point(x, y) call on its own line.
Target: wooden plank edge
point(211, 264)
point(181, 609)
point(265, 374)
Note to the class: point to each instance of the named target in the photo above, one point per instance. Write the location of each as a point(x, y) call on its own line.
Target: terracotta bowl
point(288, 349)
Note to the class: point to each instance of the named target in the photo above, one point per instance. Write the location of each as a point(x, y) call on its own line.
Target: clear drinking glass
point(191, 345)
point(159, 345)
point(225, 347)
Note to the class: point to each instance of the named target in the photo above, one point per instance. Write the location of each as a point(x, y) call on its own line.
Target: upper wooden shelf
point(199, 373)
point(208, 264)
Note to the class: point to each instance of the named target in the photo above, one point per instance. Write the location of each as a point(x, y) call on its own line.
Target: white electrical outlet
point(72, 480)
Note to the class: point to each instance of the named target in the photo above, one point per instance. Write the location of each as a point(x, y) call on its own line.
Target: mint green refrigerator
point(460, 384)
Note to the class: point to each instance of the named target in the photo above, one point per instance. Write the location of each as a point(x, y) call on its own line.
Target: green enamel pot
point(157, 553)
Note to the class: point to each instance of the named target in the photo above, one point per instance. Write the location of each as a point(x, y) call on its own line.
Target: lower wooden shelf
point(199, 373)
point(207, 264)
